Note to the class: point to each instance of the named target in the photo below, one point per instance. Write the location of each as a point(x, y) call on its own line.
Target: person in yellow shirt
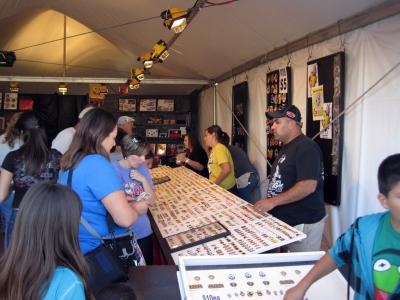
point(220, 163)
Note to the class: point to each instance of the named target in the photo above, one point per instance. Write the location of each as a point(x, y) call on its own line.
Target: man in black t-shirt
point(295, 192)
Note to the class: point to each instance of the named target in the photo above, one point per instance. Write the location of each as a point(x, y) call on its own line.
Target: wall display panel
point(278, 97)
point(325, 91)
point(240, 98)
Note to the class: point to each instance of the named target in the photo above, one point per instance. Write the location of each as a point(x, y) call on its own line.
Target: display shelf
point(254, 276)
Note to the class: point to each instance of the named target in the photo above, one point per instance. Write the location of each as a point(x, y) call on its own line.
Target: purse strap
point(83, 221)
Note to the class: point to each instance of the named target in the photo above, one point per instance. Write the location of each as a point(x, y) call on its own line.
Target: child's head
point(45, 236)
point(389, 183)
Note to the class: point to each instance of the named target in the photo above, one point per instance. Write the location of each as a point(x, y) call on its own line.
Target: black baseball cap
point(291, 112)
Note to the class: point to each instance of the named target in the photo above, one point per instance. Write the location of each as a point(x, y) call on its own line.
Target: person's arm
point(195, 165)
point(297, 192)
point(323, 267)
point(122, 213)
point(225, 169)
point(5, 184)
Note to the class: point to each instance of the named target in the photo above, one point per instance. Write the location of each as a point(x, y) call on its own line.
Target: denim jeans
point(251, 192)
point(8, 215)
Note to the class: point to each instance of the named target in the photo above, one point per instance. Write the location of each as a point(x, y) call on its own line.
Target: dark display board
point(278, 97)
point(239, 103)
point(325, 100)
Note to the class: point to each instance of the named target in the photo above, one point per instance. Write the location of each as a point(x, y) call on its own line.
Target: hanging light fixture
point(175, 19)
point(14, 88)
point(160, 52)
point(133, 83)
point(146, 60)
point(62, 89)
point(138, 73)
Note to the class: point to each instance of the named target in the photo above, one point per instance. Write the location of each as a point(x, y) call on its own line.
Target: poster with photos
point(317, 102)
point(165, 105)
point(148, 105)
point(25, 104)
point(10, 101)
point(127, 104)
point(312, 78)
point(326, 121)
point(278, 97)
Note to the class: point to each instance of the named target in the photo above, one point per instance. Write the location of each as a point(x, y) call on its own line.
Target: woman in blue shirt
point(43, 260)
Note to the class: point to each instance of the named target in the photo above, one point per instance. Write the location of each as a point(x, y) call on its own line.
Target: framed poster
point(25, 104)
point(1, 100)
point(10, 101)
point(148, 105)
point(165, 105)
point(127, 104)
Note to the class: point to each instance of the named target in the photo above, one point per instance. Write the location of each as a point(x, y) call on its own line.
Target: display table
point(190, 211)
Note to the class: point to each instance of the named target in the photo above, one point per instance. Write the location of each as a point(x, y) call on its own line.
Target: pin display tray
point(259, 276)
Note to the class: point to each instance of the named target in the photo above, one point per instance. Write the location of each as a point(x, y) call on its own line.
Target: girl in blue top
point(137, 182)
point(43, 260)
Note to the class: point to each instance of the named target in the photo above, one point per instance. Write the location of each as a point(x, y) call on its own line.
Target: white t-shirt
point(5, 148)
point(63, 139)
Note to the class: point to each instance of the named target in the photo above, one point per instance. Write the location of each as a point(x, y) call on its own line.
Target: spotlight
point(133, 83)
point(14, 88)
point(160, 52)
point(146, 60)
point(62, 88)
point(137, 73)
point(175, 19)
point(7, 58)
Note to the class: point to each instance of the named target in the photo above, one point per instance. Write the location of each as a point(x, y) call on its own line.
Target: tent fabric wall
point(371, 127)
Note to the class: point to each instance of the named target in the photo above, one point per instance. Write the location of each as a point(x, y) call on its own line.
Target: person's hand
point(265, 205)
point(180, 158)
point(137, 176)
point(140, 206)
point(294, 293)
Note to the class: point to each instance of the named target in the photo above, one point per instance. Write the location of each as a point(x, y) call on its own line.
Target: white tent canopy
point(218, 39)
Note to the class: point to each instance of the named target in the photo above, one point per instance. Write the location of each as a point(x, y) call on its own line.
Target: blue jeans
point(8, 215)
point(251, 192)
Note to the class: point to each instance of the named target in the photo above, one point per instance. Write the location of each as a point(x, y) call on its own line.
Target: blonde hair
point(12, 132)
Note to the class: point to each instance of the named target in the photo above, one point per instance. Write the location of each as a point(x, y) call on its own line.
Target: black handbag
point(104, 265)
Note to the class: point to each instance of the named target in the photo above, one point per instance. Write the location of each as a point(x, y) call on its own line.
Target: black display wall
point(55, 112)
point(328, 73)
point(240, 96)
